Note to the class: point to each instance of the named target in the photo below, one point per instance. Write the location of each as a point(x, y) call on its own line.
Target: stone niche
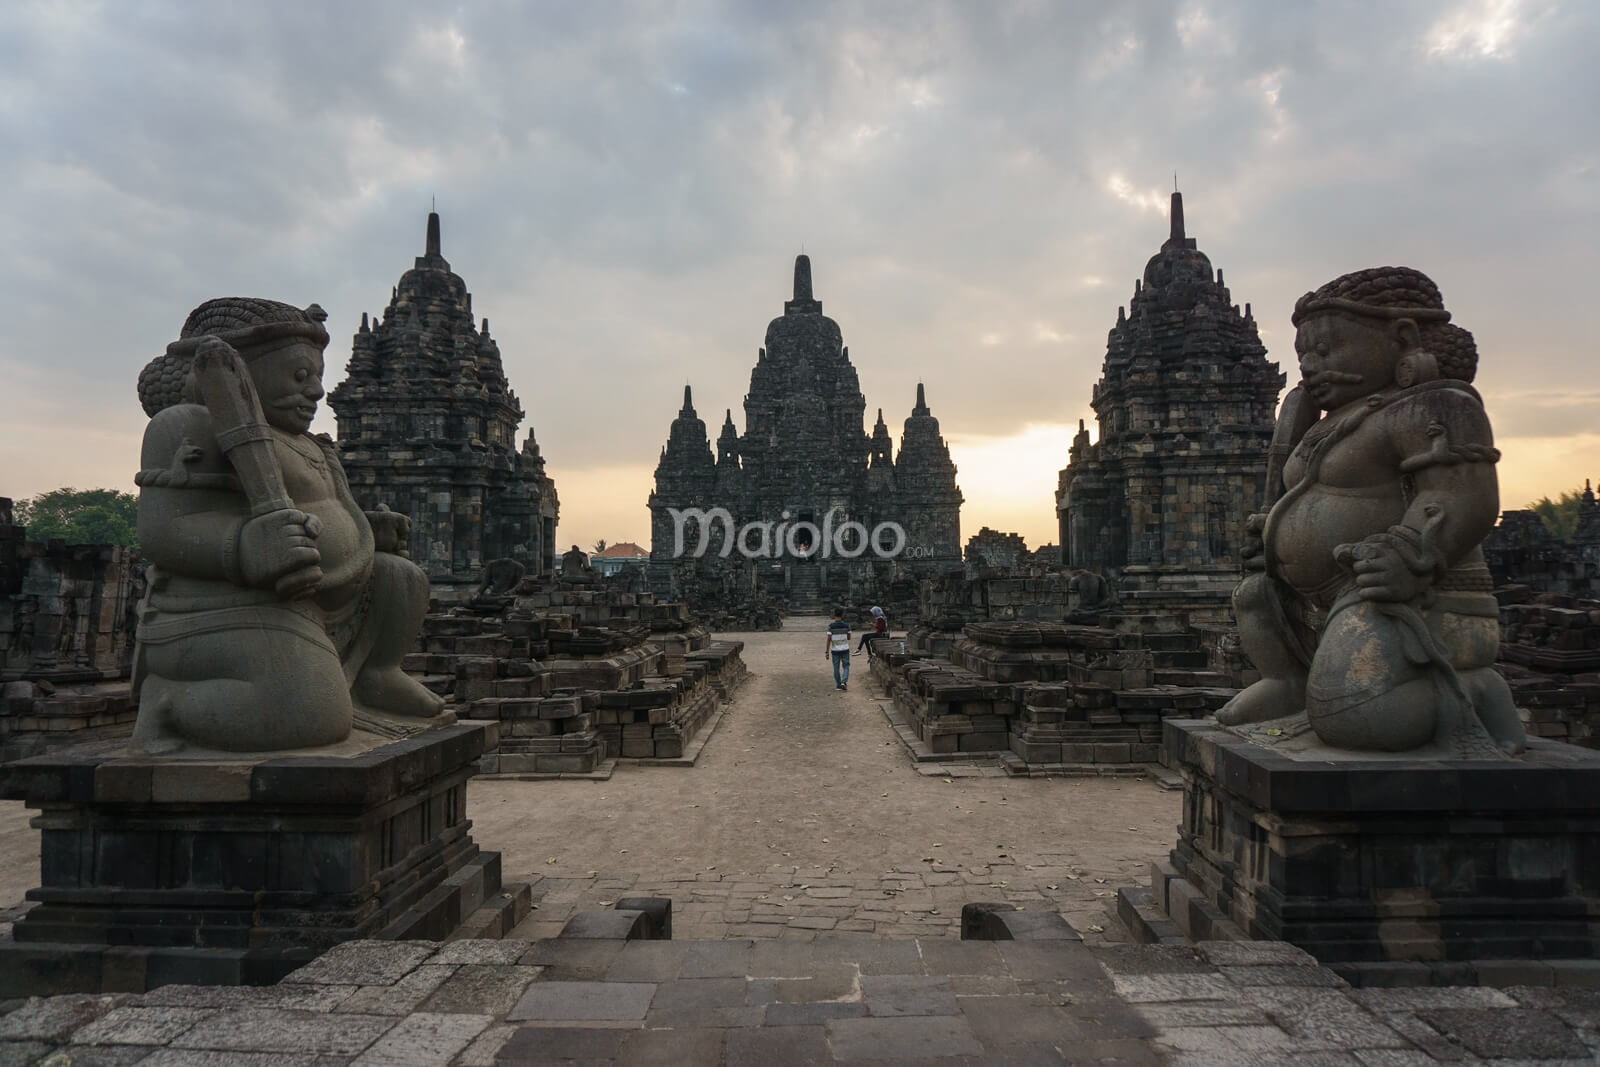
point(236, 872)
point(1387, 867)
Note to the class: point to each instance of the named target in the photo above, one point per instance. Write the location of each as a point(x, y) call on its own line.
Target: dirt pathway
point(805, 813)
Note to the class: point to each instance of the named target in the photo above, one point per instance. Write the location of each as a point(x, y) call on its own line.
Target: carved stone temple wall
point(804, 454)
point(67, 620)
point(1185, 411)
point(1521, 551)
point(428, 426)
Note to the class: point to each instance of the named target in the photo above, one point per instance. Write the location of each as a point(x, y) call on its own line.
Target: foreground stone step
point(835, 1000)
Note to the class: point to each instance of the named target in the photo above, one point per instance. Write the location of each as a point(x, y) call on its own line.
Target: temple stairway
point(805, 594)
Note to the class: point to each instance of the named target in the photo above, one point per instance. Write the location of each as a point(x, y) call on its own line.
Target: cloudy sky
point(624, 185)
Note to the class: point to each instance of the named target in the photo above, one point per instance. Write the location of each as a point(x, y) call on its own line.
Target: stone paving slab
point(833, 1000)
point(422, 1040)
point(569, 1002)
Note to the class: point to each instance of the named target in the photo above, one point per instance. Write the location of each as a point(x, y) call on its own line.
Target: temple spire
point(802, 278)
point(922, 402)
point(433, 234)
point(1177, 217)
point(688, 401)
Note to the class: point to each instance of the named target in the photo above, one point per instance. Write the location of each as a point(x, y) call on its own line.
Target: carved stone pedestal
point(1367, 864)
point(236, 872)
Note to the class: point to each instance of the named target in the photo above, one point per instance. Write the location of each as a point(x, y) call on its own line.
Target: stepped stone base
point(1368, 863)
point(236, 872)
point(37, 716)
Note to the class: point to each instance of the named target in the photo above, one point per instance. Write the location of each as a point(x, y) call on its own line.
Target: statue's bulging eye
point(301, 375)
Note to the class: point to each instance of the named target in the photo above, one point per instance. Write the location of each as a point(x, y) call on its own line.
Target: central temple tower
point(804, 455)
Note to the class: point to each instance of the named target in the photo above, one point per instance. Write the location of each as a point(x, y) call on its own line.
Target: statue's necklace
point(310, 451)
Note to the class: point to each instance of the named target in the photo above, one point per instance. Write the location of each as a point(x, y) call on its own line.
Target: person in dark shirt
point(838, 647)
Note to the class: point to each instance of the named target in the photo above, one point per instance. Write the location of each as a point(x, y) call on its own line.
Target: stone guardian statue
point(1369, 612)
point(277, 608)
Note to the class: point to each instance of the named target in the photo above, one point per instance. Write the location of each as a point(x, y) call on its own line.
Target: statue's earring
point(1415, 367)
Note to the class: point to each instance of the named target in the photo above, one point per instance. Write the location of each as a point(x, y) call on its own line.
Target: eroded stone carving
point(500, 580)
point(277, 607)
point(1369, 613)
point(575, 566)
point(1092, 596)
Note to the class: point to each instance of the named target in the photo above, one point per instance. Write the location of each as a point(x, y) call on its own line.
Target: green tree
point(81, 517)
point(600, 545)
point(1559, 516)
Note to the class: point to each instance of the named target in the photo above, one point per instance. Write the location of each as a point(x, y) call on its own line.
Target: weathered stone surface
point(295, 997)
point(1343, 596)
point(54, 1018)
point(557, 1001)
point(285, 1031)
point(423, 1040)
point(898, 994)
point(480, 951)
point(23, 1053)
point(140, 1025)
point(920, 1037)
point(240, 506)
point(668, 1048)
point(443, 451)
point(573, 960)
point(1185, 412)
point(482, 988)
point(1279, 976)
point(1255, 954)
point(68, 614)
point(401, 997)
point(1526, 558)
point(804, 458)
point(790, 1046)
point(485, 1048)
point(1368, 854)
point(364, 963)
point(823, 981)
point(534, 1043)
point(323, 849)
point(812, 1013)
point(1027, 1003)
point(1156, 988)
point(1525, 1033)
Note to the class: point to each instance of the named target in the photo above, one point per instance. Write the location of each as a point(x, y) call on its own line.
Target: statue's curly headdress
point(1399, 293)
point(243, 322)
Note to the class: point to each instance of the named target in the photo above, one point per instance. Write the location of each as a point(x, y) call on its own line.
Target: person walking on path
point(838, 647)
point(869, 639)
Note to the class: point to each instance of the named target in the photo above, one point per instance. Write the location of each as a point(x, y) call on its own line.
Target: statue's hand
point(1253, 552)
point(278, 550)
point(1394, 566)
point(391, 531)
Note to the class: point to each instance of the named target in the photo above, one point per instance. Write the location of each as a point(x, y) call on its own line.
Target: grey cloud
point(623, 185)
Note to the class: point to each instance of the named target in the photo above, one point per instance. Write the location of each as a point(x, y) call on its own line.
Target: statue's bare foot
point(1267, 699)
point(1491, 699)
point(162, 745)
point(393, 690)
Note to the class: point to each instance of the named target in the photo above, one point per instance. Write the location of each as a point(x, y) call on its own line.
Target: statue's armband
point(174, 453)
point(1457, 432)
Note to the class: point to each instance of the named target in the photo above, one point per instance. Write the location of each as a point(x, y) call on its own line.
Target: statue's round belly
point(1306, 530)
point(346, 553)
